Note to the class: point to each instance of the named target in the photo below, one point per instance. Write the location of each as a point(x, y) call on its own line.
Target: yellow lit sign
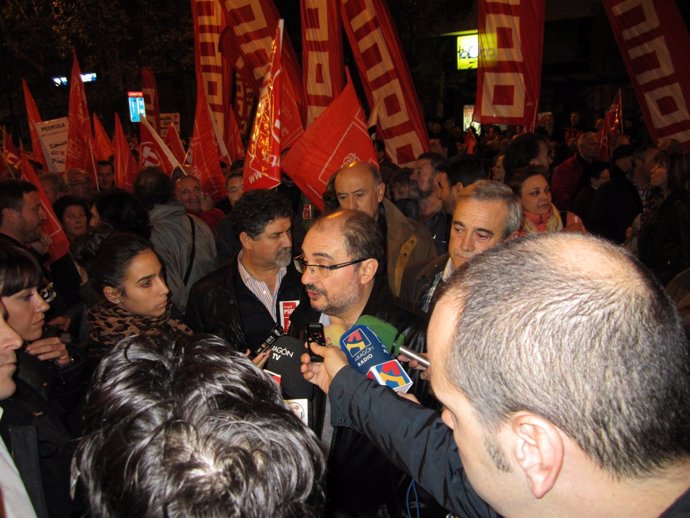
point(467, 50)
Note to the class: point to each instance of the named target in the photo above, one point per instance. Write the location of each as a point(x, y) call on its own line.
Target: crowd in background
point(154, 262)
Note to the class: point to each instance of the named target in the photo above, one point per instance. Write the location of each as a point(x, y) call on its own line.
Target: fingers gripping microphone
point(368, 355)
point(392, 339)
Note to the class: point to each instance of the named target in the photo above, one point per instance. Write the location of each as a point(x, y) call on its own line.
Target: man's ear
point(538, 449)
point(112, 294)
point(367, 270)
point(245, 240)
point(380, 192)
point(8, 216)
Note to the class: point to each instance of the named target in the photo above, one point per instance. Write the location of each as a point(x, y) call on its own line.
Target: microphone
point(284, 363)
point(368, 355)
point(392, 339)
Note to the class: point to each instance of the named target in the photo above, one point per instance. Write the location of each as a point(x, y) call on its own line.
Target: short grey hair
point(489, 190)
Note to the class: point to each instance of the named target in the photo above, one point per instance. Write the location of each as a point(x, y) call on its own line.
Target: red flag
point(79, 138)
point(10, 153)
point(235, 146)
point(386, 78)
point(470, 141)
point(322, 54)
point(59, 244)
point(33, 117)
point(611, 127)
point(245, 85)
point(172, 140)
point(213, 73)
point(148, 86)
point(337, 137)
point(254, 24)
point(102, 148)
point(262, 163)
point(204, 150)
point(511, 39)
point(653, 40)
point(125, 164)
point(153, 151)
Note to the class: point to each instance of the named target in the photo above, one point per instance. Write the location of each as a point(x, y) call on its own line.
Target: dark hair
point(363, 238)
point(678, 166)
point(595, 347)
point(109, 266)
point(63, 202)
point(185, 427)
point(124, 212)
point(465, 169)
point(152, 186)
point(521, 151)
point(256, 209)
point(84, 249)
point(104, 162)
point(234, 173)
point(12, 194)
point(521, 175)
point(438, 161)
point(19, 270)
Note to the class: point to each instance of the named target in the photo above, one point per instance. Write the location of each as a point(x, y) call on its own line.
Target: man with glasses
point(340, 266)
point(243, 300)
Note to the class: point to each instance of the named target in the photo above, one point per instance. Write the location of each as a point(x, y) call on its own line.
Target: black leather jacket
point(353, 461)
point(214, 306)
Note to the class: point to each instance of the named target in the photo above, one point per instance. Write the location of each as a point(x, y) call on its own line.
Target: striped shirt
point(260, 289)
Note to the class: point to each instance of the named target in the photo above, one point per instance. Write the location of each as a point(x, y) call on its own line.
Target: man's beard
point(334, 305)
point(283, 257)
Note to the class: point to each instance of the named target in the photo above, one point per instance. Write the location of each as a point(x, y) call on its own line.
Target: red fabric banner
point(653, 41)
point(10, 153)
point(511, 43)
point(172, 140)
point(245, 85)
point(262, 162)
point(33, 116)
point(125, 165)
point(205, 151)
point(79, 137)
point(322, 54)
point(611, 127)
point(59, 244)
point(102, 148)
point(386, 78)
point(244, 102)
point(254, 23)
point(235, 146)
point(153, 151)
point(336, 138)
point(150, 89)
point(212, 71)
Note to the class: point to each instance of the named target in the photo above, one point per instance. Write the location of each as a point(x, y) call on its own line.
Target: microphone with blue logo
point(368, 355)
point(392, 339)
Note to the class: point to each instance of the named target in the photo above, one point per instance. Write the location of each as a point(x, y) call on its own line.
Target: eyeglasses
point(322, 270)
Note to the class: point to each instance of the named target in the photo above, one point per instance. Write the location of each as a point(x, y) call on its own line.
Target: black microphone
point(284, 360)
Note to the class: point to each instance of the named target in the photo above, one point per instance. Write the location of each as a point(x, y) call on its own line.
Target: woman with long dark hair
point(664, 242)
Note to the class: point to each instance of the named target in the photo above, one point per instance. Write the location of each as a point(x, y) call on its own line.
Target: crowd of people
point(544, 278)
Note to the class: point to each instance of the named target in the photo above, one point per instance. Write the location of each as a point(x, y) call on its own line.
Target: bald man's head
point(575, 330)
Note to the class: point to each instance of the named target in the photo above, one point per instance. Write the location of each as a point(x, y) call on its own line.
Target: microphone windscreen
point(284, 359)
point(386, 332)
point(363, 348)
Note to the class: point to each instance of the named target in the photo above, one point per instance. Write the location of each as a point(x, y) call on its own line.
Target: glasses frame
point(301, 266)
